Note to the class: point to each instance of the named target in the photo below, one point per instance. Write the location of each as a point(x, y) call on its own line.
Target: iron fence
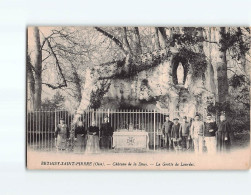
point(41, 124)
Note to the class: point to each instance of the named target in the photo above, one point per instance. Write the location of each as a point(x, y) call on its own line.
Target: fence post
point(53, 138)
point(154, 130)
point(108, 113)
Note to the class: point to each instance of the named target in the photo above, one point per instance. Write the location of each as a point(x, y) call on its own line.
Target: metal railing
point(41, 124)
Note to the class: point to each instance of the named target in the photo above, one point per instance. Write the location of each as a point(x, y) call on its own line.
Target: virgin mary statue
point(180, 74)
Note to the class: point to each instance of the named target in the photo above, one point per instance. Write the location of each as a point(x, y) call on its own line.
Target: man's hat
point(197, 114)
point(208, 114)
point(175, 119)
point(184, 117)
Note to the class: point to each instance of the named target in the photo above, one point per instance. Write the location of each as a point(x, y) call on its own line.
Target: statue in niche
point(180, 74)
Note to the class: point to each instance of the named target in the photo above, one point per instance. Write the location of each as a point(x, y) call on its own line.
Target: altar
point(136, 139)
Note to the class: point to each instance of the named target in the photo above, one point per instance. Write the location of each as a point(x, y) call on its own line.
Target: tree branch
point(59, 68)
point(114, 39)
point(55, 87)
point(126, 41)
point(46, 57)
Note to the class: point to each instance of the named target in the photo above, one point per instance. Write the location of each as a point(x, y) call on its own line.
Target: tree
point(58, 49)
point(37, 69)
point(222, 67)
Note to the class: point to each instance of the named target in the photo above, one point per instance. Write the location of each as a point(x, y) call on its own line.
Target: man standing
point(166, 130)
point(209, 134)
point(106, 134)
point(197, 134)
point(175, 134)
point(223, 136)
point(184, 133)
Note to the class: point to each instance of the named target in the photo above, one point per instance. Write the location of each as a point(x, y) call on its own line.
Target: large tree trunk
point(77, 81)
point(137, 41)
point(210, 70)
point(30, 79)
point(38, 69)
point(222, 72)
point(30, 83)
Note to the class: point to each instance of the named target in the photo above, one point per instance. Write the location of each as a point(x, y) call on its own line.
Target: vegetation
point(58, 58)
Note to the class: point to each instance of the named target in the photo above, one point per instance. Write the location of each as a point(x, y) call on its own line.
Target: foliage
point(57, 102)
point(97, 95)
point(196, 60)
point(190, 47)
point(233, 39)
point(240, 120)
point(189, 37)
point(218, 107)
point(237, 81)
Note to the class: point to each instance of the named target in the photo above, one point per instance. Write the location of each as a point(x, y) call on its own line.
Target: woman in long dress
point(80, 138)
point(92, 145)
point(61, 135)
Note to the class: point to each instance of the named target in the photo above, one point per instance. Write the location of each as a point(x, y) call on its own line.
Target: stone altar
point(136, 139)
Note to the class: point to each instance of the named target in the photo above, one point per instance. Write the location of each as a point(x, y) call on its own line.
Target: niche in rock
point(179, 70)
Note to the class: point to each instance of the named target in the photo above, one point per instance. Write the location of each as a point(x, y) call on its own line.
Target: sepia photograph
point(138, 98)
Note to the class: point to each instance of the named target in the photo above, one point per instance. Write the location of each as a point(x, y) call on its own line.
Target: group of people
point(197, 134)
point(194, 135)
point(86, 140)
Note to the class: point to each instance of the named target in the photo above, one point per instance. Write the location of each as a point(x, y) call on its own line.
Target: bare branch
point(46, 57)
point(114, 39)
point(59, 68)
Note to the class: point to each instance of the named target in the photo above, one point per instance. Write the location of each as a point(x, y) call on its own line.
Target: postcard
point(138, 98)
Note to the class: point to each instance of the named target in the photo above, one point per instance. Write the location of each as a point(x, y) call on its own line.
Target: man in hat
point(185, 133)
point(175, 134)
point(197, 129)
point(61, 135)
point(166, 131)
point(223, 134)
point(106, 134)
point(209, 134)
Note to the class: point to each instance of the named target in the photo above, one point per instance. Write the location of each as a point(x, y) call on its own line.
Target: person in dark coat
point(80, 138)
point(92, 145)
point(223, 134)
point(175, 134)
point(166, 132)
point(210, 129)
point(106, 134)
point(61, 135)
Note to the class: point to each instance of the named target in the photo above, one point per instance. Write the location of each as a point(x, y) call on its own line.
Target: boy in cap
point(185, 133)
point(166, 131)
point(209, 134)
point(175, 134)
